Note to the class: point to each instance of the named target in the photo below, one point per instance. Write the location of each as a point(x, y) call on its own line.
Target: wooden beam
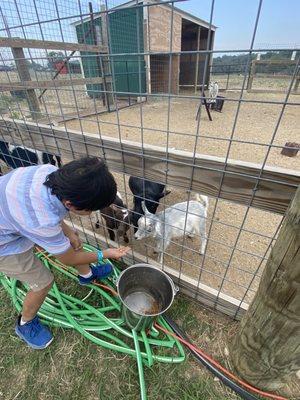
point(283, 61)
point(106, 63)
point(251, 74)
point(266, 351)
point(189, 286)
point(275, 189)
point(272, 76)
point(49, 84)
point(270, 91)
point(51, 45)
point(197, 58)
point(295, 90)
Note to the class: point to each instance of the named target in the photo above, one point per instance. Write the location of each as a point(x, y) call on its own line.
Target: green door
point(126, 36)
point(91, 66)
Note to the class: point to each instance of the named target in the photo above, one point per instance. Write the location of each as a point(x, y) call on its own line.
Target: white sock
point(87, 275)
point(22, 322)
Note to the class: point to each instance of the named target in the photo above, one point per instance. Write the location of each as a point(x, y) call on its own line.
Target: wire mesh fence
point(125, 82)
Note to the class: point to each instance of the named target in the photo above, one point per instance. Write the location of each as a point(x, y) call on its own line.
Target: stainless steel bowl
point(145, 292)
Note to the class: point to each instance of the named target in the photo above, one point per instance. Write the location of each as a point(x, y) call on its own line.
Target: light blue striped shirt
point(29, 213)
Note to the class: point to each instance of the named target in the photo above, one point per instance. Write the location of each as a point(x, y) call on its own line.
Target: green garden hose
point(98, 318)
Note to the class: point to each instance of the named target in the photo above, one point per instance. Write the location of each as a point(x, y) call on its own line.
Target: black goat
point(148, 191)
point(20, 156)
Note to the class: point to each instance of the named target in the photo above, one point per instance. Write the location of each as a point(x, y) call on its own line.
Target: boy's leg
point(33, 302)
point(29, 269)
point(83, 269)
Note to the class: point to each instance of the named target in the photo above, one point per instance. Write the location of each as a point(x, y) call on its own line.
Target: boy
point(33, 202)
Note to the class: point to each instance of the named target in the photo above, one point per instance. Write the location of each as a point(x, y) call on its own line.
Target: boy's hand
point(75, 240)
point(115, 253)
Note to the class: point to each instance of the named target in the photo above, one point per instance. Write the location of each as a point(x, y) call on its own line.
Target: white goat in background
point(187, 218)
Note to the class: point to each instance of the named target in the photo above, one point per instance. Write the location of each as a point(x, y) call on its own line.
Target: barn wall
point(159, 29)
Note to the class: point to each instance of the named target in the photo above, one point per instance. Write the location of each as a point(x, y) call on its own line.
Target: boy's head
point(83, 185)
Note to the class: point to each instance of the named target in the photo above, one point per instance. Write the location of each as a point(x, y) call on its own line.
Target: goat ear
point(163, 194)
point(145, 208)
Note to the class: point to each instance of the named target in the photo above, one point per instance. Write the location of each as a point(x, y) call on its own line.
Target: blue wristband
point(99, 256)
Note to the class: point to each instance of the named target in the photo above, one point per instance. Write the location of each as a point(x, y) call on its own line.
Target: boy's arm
point(79, 257)
point(75, 256)
point(72, 235)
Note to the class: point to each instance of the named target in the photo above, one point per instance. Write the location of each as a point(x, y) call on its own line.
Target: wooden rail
point(275, 189)
point(50, 84)
point(204, 294)
point(253, 73)
point(49, 45)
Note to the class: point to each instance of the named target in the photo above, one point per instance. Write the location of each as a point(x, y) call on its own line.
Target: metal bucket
point(146, 292)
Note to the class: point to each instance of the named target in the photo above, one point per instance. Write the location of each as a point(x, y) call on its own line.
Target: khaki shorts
point(27, 268)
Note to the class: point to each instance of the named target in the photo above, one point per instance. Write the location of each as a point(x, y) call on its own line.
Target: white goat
point(187, 218)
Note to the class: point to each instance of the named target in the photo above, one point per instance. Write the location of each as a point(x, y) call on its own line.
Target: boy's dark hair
point(86, 183)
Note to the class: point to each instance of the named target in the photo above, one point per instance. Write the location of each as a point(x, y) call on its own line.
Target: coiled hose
point(98, 318)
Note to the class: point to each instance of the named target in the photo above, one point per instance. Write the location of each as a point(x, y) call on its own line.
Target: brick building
point(134, 29)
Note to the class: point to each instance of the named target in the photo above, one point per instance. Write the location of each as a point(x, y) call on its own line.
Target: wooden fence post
point(251, 74)
point(24, 75)
point(197, 60)
point(266, 350)
point(107, 62)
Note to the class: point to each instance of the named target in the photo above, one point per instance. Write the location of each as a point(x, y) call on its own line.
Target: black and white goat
point(116, 219)
point(187, 218)
point(20, 156)
point(147, 191)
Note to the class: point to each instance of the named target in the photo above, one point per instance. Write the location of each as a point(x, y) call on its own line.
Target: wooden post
point(297, 81)
point(24, 75)
point(251, 74)
point(106, 63)
point(197, 58)
point(210, 62)
point(266, 351)
point(147, 46)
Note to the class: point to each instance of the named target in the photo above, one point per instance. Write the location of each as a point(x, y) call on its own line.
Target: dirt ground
point(251, 138)
point(239, 239)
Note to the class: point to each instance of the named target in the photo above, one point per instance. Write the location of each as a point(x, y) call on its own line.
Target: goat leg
point(111, 234)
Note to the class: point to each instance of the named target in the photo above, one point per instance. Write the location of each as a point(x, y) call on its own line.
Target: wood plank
point(273, 91)
point(55, 83)
point(51, 45)
point(275, 189)
point(204, 294)
point(288, 62)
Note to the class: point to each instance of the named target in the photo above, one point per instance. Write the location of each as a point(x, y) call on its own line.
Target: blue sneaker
point(100, 271)
point(34, 333)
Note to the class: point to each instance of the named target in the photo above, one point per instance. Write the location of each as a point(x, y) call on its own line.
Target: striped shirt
point(29, 213)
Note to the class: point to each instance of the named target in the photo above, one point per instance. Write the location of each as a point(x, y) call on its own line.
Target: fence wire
point(132, 79)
